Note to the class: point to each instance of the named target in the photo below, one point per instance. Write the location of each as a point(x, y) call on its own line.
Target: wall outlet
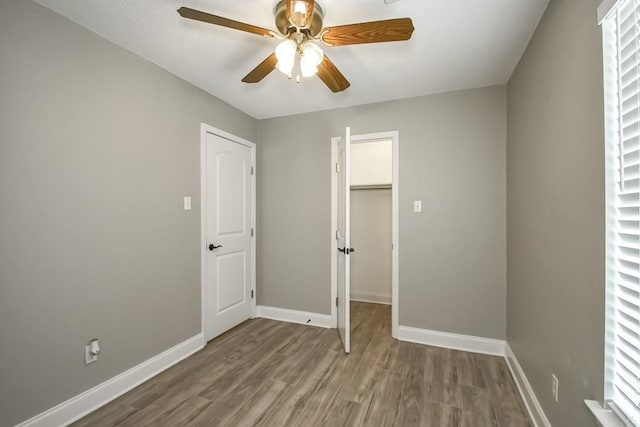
point(554, 386)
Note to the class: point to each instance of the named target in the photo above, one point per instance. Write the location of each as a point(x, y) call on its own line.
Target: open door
point(344, 240)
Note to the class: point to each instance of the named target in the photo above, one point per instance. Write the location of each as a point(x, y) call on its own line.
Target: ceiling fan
point(300, 31)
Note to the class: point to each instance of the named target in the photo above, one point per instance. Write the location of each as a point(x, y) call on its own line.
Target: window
point(621, 32)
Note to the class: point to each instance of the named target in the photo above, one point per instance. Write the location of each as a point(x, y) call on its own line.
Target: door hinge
point(338, 167)
point(336, 301)
point(251, 170)
point(337, 235)
point(252, 294)
point(252, 232)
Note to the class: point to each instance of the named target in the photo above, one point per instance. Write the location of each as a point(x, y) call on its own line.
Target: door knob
point(213, 247)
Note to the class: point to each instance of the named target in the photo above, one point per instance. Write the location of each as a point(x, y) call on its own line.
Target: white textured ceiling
point(457, 44)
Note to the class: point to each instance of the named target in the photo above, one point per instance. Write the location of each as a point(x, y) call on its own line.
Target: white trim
point(372, 297)
point(334, 227)
point(605, 417)
point(616, 397)
point(485, 346)
point(394, 136)
point(203, 226)
point(204, 130)
point(78, 406)
point(294, 316)
point(254, 226)
point(605, 8)
point(453, 341)
point(534, 408)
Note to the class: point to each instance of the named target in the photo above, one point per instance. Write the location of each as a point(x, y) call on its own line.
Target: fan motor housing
point(284, 26)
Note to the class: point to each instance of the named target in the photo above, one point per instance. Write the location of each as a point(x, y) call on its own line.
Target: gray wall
point(97, 149)
point(452, 256)
point(556, 214)
point(371, 237)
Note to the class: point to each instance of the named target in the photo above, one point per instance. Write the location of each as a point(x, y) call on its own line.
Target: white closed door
point(229, 198)
point(343, 237)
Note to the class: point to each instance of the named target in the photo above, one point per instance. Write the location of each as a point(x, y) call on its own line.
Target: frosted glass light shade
point(286, 54)
point(311, 58)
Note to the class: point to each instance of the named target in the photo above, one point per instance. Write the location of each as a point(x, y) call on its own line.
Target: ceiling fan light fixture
point(299, 24)
point(299, 14)
point(286, 54)
point(300, 7)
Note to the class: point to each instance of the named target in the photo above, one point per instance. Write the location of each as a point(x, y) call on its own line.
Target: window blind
point(621, 31)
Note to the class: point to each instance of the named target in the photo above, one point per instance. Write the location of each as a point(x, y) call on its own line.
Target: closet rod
point(371, 187)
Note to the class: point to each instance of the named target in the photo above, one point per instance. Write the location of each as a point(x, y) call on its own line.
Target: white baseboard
point(486, 346)
point(294, 316)
point(534, 408)
point(87, 402)
point(372, 297)
point(452, 341)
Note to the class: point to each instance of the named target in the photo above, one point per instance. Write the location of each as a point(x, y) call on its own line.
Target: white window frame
point(618, 411)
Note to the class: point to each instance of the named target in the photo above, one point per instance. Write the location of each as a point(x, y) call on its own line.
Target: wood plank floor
point(268, 373)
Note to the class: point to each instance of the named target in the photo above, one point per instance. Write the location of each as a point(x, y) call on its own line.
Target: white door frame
point(355, 139)
point(204, 130)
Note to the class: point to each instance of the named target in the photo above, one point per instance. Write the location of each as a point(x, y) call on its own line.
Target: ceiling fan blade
point(392, 30)
point(310, 6)
point(297, 19)
point(197, 15)
point(262, 70)
point(331, 76)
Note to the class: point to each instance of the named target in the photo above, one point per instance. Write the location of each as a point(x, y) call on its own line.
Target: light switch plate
point(88, 356)
point(417, 206)
point(187, 203)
